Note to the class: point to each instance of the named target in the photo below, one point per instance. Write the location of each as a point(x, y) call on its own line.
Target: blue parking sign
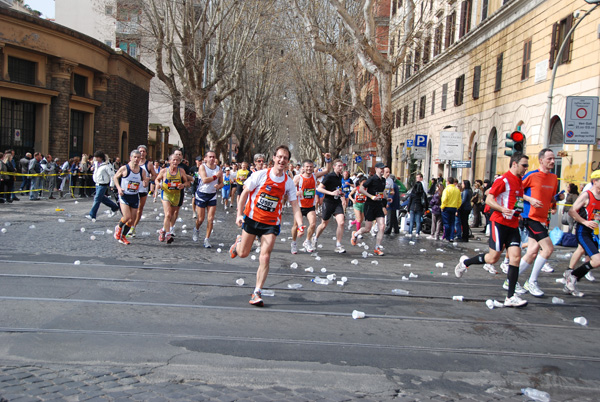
point(420, 140)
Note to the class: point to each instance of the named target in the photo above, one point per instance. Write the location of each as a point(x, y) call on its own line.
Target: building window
point(526, 59)
point(476, 81)
point(484, 9)
point(398, 118)
point(450, 29)
point(108, 10)
point(108, 43)
point(422, 106)
point(414, 111)
point(17, 115)
point(21, 71)
point(79, 85)
point(465, 18)
point(426, 50)
point(417, 63)
point(459, 90)
point(433, 102)
point(130, 48)
point(76, 137)
point(405, 115)
point(444, 96)
point(437, 40)
point(392, 44)
point(408, 66)
point(394, 7)
point(559, 31)
point(498, 84)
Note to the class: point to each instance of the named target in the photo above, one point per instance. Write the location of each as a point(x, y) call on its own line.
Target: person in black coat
point(465, 210)
point(417, 204)
point(392, 211)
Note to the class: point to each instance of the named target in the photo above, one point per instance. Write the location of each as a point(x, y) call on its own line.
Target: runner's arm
point(331, 193)
point(241, 205)
point(297, 213)
point(491, 201)
point(581, 202)
point(328, 166)
point(159, 178)
point(117, 179)
point(187, 180)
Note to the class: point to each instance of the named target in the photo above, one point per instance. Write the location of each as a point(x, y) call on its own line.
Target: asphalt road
point(152, 321)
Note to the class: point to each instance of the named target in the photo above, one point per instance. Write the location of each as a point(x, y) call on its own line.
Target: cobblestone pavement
point(151, 322)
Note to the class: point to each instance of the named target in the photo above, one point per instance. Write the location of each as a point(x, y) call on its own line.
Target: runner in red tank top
point(264, 192)
point(587, 228)
point(306, 185)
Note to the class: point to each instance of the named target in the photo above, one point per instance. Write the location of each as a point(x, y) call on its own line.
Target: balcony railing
point(128, 27)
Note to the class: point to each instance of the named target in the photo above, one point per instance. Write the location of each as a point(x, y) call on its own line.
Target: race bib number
point(133, 186)
point(379, 195)
point(360, 198)
point(308, 193)
point(519, 204)
point(173, 185)
point(267, 202)
point(225, 182)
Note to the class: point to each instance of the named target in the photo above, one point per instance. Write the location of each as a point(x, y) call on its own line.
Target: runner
point(505, 198)
point(240, 178)
point(128, 180)
point(153, 188)
point(331, 186)
point(540, 188)
point(226, 189)
point(174, 180)
point(143, 193)
point(259, 162)
point(188, 183)
point(306, 184)
point(358, 202)
point(346, 188)
point(264, 192)
point(374, 189)
point(586, 211)
point(210, 181)
point(233, 175)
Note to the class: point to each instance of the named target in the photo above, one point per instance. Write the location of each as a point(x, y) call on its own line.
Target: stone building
point(64, 93)
point(480, 69)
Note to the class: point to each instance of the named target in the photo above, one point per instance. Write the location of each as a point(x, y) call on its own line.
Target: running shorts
point(204, 200)
point(305, 211)
point(373, 211)
point(536, 229)
point(585, 237)
point(332, 208)
point(320, 194)
point(131, 200)
point(142, 195)
point(359, 207)
point(172, 197)
point(258, 229)
point(502, 237)
point(181, 197)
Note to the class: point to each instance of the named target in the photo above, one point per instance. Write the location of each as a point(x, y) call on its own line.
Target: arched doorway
point(556, 142)
point(492, 154)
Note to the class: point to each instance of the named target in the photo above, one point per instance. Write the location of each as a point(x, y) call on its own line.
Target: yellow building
point(481, 69)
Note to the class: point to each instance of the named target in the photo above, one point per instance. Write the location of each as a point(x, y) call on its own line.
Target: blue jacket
point(395, 204)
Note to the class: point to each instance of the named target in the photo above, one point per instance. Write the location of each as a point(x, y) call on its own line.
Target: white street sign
point(451, 145)
point(581, 120)
point(419, 152)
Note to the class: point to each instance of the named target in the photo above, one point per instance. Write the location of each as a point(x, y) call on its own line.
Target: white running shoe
point(460, 268)
point(590, 277)
point(308, 246)
point(547, 268)
point(340, 250)
point(518, 288)
point(490, 268)
point(195, 234)
point(514, 301)
point(207, 243)
point(570, 280)
point(575, 293)
point(294, 247)
point(504, 267)
point(533, 288)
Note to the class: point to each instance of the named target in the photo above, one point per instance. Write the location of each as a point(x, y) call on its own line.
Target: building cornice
point(28, 88)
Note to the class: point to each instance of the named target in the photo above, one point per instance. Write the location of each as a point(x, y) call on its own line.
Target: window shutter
point(553, 48)
point(448, 29)
point(566, 56)
point(476, 81)
point(463, 19)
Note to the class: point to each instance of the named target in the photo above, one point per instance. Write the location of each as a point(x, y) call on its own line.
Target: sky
point(45, 6)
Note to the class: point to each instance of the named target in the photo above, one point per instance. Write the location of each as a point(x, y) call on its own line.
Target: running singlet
point(346, 185)
point(266, 196)
point(307, 188)
point(209, 188)
point(591, 212)
point(226, 181)
point(171, 182)
point(144, 167)
point(542, 187)
point(242, 175)
point(360, 198)
point(131, 183)
point(508, 192)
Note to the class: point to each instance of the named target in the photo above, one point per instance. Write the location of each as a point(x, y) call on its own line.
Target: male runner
point(540, 188)
point(586, 211)
point(148, 168)
point(187, 184)
point(306, 184)
point(505, 198)
point(128, 180)
point(210, 181)
point(331, 186)
point(171, 180)
point(374, 190)
point(261, 214)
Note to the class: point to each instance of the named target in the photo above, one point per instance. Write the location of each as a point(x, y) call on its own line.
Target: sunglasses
point(525, 166)
point(260, 161)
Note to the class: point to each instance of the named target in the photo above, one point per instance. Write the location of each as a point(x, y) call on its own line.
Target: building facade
point(481, 69)
point(64, 93)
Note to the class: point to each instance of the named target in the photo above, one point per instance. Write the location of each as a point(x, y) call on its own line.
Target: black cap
point(380, 165)
point(199, 158)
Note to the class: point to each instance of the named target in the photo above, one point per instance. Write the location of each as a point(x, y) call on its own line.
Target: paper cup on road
point(358, 314)
point(458, 298)
point(239, 282)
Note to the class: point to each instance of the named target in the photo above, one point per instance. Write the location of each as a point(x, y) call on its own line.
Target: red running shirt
point(307, 188)
point(266, 196)
point(507, 189)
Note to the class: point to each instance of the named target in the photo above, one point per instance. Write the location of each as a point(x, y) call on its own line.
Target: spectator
point(75, 174)
point(572, 195)
point(24, 165)
point(35, 167)
point(451, 201)
point(6, 181)
point(436, 213)
point(117, 164)
point(477, 202)
point(417, 204)
point(487, 212)
point(49, 171)
point(84, 170)
point(65, 177)
point(103, 174)
point(465, 210)
point(392, 209)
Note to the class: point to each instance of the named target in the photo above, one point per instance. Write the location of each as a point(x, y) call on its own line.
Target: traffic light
point(514, 143)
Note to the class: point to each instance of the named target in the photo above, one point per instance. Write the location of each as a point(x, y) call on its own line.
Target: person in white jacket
point(103, 173)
